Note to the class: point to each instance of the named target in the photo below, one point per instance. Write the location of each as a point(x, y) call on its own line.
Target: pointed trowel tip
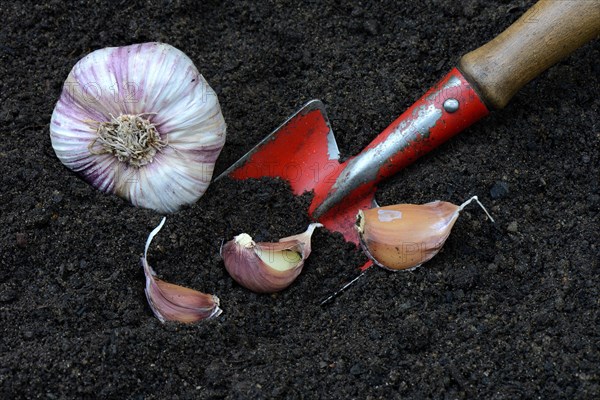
point(301, 150)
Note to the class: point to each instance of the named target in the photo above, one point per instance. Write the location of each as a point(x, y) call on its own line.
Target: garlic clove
point(267, 267)
point(171, 302)
point(141, 122)
point(404, 236)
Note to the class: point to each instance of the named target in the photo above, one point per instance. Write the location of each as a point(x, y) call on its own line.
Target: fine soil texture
point(508, 310)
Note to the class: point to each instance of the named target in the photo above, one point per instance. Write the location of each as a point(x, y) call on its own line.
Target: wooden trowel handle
point(545, 34)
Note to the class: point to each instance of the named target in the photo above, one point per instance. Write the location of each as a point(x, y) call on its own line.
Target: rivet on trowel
point(451, 105)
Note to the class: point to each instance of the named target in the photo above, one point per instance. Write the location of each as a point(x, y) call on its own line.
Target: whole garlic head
point(141, 122)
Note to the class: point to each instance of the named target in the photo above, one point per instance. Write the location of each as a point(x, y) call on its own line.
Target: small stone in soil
point(21, 239)
point(499, 190)
point(7, 295)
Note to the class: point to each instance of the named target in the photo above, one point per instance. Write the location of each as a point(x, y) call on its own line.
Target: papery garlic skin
point(404, 236)
point(267, 267)
point(171, 302)
point(412, 237)
point(158, 86)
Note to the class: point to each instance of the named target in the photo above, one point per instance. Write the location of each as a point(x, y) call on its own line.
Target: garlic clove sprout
point(171, 302)
point(404, 236)
point(141, 122)
point(267, 267)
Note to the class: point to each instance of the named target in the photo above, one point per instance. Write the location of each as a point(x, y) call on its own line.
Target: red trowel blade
point(302, 151)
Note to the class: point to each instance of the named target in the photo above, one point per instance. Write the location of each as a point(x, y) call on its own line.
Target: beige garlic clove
point(171, 302)
point(404, 236)
point(267, 267)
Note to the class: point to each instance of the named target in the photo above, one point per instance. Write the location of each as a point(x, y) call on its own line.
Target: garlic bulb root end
point(130, 138)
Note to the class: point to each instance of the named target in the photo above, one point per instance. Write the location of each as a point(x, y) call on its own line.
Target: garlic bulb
point(141, 122)
point(267, 267)
point(172, 302)
point(404, 236)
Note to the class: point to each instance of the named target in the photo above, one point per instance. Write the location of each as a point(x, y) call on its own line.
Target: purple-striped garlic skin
point(267, 267)
point(171, 302)
point(141, 122)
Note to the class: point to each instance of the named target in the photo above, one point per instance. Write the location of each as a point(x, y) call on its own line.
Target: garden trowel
point(303, 150)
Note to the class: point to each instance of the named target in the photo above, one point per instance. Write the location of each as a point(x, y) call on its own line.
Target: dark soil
point(505, 311)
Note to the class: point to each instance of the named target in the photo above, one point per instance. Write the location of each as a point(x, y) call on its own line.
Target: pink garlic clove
point(171, 302)
point(267, 267)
